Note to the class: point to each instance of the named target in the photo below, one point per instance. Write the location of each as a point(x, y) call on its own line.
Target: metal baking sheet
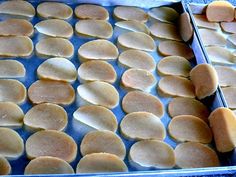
point(78, 130)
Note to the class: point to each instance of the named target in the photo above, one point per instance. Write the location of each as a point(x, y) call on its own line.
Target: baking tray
point(78, 130)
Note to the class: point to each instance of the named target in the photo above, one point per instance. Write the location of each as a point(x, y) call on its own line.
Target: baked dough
point(99, 49)
point(172, 86)
point(16, 27)
point(137, 59)
point(5, 167)
point(91, 11)
point(223, 119)
point(133, 25)
point(43, 91)
point(11, 69)
point(96, 71)
point(54, 10)
point(136, 101)
point(12, 90)
point(195, 155)
point(102, 141)
point(55, 28)
point(202, 22)
point(9, 46)
point(189, 128)
point(226, 75)
point(48, 165)
point(212, 38)
point(170, 48)
point(59, 69)
point(51, 143)
point(55, 47)
point(137, 40)
point(142, 125)
point(205, 80)
point(94, 28)
point(165, 31)
point(164, 14)
point(152, 153)
point(97, 117)
point(11, 144)
point(101, 163)
point(98, 93)
point(174, 65)
point(17, 8)
point(139, 79)
point(188, 106)
point(229, 27)
point(46, 116)
point(11, 115)
point(218, 11)
point(130, 13)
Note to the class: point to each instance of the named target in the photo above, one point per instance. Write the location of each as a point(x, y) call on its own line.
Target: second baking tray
point(78, 130)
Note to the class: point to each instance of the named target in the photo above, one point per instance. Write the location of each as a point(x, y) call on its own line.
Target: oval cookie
point(172, 86)
point(188, 106)
point(101, 163)
point(226, 76)
point(229, 94)
point(55, 47)
point(11, 69)
point(218, 11)
point(130, 13)
point(152, 153)
point(16, 27)
point(137, 40)
point(55, 28)
point(170, 48)
point(51, 143)
point(220, 55)
point(48, 165)
point(229, 27)
point(9, 46)
point(12, 90)
point(164, 14)
point(136, 101)
point(59, 69)
point(142, 125)
point(189, 128)
point(54, 10)
point(91, 11)
point(204, 79)
point(97, 71)
point(139, 79)
point(97, 117)
point(11, 115)
point(133, 25)
point(43, 91)
point(185, 27)
point(94, 28)
point(137, 59)
point(165, 31)
point(11, 144)
point(98, 93)
point(174, 65)
point(17, 8)
point(212, 38)
point(46, 116)
point(202, 22)
point(100, 141)
point(195, 155)
point(5, 167)
point(98, 50)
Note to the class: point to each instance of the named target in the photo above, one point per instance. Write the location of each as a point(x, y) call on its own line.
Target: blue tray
point(78, 130)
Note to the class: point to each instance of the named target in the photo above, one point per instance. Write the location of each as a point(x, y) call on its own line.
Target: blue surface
point(78, 130)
